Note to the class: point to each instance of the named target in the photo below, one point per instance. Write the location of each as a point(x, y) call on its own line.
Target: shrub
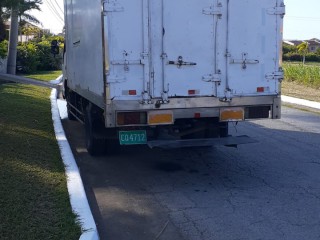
point(32, 56)
point(47, 62)
point(288, 48)
point(312, 57)
point(3, 48)
point(27, 58)
point(296, 57)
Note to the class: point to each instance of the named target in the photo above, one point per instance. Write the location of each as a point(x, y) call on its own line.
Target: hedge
point(296, 57)
point(3, 48)
point(34, 56)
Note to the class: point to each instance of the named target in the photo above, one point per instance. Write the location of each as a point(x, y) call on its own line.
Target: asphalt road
point(266, 190)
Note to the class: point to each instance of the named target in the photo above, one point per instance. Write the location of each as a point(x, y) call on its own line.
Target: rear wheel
point(95, 143)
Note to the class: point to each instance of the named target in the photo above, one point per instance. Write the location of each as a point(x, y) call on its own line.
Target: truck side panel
point(85, 59)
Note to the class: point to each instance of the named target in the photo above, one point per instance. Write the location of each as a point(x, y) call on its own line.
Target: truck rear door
point(127, 48)
point(222, 48)
point(187, 48)
point(254, 40)
point(190, 48)
point(161, 48)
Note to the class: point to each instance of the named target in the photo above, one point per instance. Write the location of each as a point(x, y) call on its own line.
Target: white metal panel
point(128, 48)
point(164, 31)
point(188, 47)
point(84, 48)
point(172, 48)
point(253, 46)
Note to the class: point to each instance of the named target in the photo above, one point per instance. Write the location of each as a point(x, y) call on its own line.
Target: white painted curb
point(78, 198)
point(302, 102)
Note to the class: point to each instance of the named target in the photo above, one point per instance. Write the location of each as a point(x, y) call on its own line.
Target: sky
point(302, 19)
point(51, 15)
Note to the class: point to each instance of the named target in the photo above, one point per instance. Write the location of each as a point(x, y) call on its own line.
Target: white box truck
point(171, 73)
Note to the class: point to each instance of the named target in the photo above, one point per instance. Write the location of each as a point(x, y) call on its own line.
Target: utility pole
point(13, 42)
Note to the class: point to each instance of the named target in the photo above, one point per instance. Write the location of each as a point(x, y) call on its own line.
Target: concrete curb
point(78, 198)
point(302, 102)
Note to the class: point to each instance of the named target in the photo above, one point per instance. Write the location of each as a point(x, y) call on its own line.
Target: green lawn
point(306, 63)
point(45, 75)
point(34, 200)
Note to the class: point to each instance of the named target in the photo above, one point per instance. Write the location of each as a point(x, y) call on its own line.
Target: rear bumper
point(227, 141)
point(254, 106)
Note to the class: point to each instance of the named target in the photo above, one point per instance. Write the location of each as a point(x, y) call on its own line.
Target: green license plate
point(133, 137)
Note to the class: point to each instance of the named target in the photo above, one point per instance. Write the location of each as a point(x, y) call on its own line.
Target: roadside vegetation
point(299, 53)
point(308, 75)
point(35, 55)
point(302, 81)
point(301, 72)
point(34, 202)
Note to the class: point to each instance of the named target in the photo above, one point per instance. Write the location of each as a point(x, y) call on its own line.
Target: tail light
point(131, 118)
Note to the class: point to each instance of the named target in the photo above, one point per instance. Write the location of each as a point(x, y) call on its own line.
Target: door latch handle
point(180, 63)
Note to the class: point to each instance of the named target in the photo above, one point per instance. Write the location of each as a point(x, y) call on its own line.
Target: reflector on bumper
point(231, 114)
point(160, 117)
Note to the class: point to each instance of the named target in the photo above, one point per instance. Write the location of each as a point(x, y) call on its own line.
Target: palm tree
point(18, 8)
point(303, 48)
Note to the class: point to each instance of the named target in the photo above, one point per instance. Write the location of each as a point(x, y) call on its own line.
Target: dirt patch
point(299, 91)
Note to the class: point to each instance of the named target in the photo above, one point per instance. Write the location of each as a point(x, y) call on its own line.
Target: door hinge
point(164, 56)
point(277, 10)
point(228, 95)
point(279, 75)
point(144, 57)
point(213, 10)
point(111, 6)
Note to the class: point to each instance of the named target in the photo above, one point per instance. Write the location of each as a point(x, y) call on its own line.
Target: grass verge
point(34, 202)
point(308, 75)
point(302, 81)
point(44, 75)
point(293, 89)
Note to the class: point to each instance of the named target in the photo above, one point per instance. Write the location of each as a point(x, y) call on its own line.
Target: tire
point(95, 145)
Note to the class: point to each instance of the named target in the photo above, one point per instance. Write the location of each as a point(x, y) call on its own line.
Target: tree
point(2, 26)
point(13, 42)
point(18, 8)
point(29, 31)
point(303, 48)
point(286, 48)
